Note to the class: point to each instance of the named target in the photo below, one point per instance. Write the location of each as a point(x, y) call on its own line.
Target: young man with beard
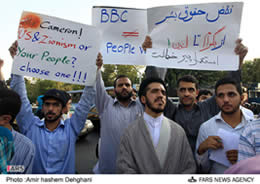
point(115, 115)
point(230, 119)
point(53, 138)
point(153, 144)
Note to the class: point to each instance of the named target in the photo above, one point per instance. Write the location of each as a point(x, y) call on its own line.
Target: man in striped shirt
point(249, 143)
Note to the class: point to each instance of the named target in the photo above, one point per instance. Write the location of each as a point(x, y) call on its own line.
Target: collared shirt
point(249, 143)
point(154, 126)
point(114, 118)
point(24, 152)
point(55, 150)
point(210, 128)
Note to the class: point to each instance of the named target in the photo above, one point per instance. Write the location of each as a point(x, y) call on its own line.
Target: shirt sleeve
point(202, 160)
point(246, 148)
point(210, 105)
point(170, 109)
point(102, 98)
point(25, 117)
point(152, 71)
point(87, 101)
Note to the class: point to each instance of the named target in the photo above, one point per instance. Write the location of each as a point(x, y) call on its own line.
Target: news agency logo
point(192, 180)
point(15, 168)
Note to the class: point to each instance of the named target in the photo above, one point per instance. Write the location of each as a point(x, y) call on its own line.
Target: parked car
point(175, 100)
point(91, 119)
point(93, 114)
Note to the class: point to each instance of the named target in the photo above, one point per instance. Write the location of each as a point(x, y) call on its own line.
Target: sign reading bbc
point(15, 169)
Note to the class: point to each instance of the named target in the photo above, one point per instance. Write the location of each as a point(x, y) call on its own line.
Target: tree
point(250, 72)
point(36, 87)
point(112, 71)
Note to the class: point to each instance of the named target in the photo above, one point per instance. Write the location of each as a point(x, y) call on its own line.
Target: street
point(86, 153)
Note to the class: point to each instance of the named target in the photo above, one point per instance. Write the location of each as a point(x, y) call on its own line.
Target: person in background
point(245, 97)
point(204, 94)
point(134, 94)
point(66, 110)
point(39, 103)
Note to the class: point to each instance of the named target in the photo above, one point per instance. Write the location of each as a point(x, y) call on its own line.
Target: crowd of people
point(144, 135)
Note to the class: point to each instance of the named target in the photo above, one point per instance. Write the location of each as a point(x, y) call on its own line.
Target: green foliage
point(36, 87)
point(250, 72)
point(112, 71)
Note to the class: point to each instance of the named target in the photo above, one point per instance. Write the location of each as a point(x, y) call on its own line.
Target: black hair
point(228, 80)
point(118, 77)
point(204, 92)
point(67, 96)
point(145, 83)
point(10, 103)
point(188, 78)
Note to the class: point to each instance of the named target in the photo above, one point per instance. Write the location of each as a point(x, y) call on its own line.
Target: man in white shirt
point(231, 119)
point(153, 144)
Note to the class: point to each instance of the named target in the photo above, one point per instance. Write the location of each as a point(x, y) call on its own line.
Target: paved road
point(86, 153)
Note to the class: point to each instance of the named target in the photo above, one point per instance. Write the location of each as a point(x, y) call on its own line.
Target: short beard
point(53, 120)
point(230, 112)
point(187, 105)
point(123, 98)
point(149, 105)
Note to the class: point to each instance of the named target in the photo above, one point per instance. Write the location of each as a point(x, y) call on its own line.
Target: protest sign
point(56, 49)
point(123, 32)
point(200, 36)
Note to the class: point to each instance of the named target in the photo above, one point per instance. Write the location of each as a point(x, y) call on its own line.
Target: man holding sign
point(115, 115)
point(53, 138)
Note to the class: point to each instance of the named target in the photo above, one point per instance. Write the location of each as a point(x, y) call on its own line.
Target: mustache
point(50, 113)
point(226, 104)
point(158, 99)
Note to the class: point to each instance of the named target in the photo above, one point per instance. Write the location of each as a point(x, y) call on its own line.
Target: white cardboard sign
point(56, 49)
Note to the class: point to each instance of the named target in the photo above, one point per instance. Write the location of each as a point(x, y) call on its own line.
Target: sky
point(80, 11)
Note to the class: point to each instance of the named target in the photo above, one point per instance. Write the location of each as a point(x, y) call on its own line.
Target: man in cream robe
point(153, 144)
